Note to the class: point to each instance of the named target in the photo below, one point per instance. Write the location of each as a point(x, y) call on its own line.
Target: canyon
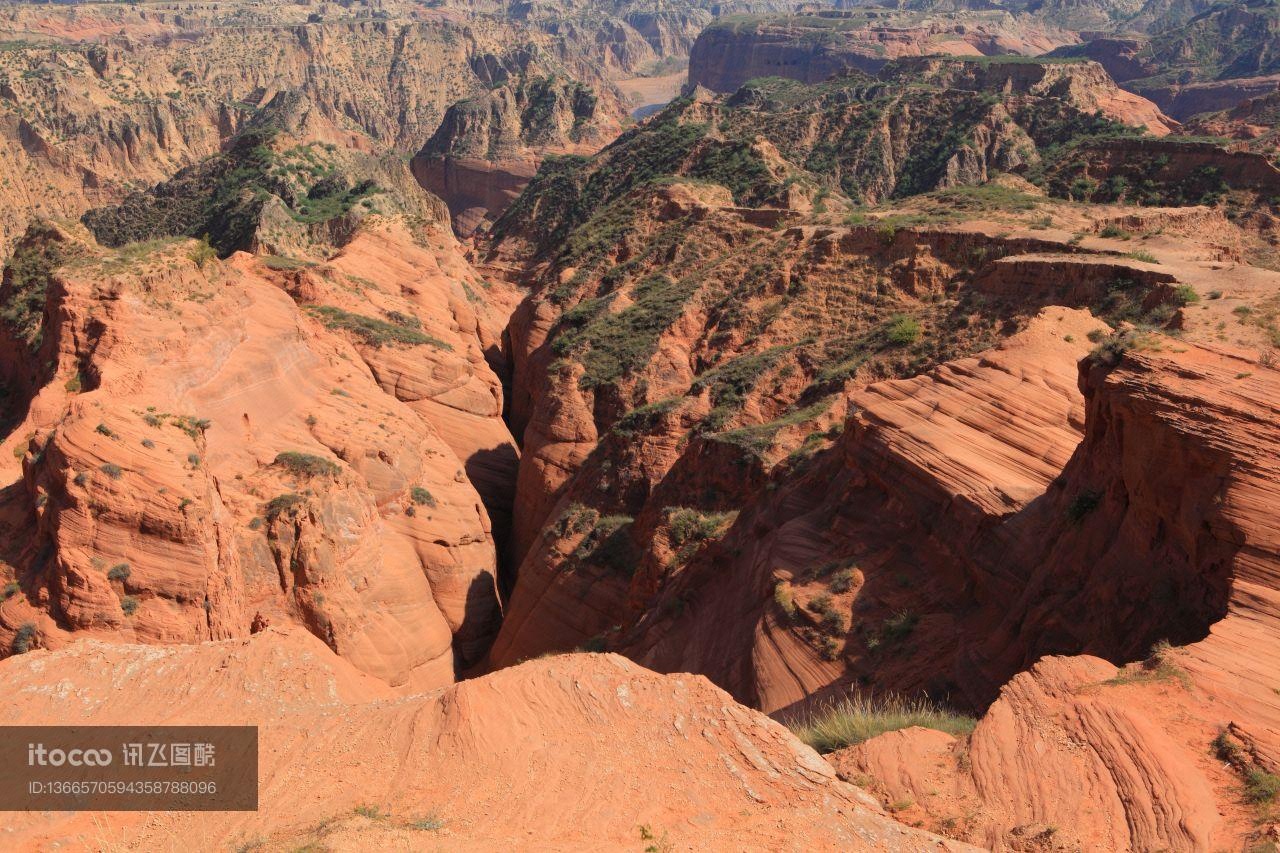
point(874, 447)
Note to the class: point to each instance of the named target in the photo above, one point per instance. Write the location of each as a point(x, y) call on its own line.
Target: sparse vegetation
point(1083, 504)
point(112, 470)
point(129, 605)
point(202, 252)
point(861, 717)
point(903, 331)
point(372, 331)
point(831, 621)
point(608, 545)
point(26, 637)
point(898, 626)
point(843, 580)
point(22, 296)
point(610, 344)
point(306, 464)
point(1261, 786)
point(784, 598)
point(281, 504)
point(685, 525)
point(118, 572)
point(1157, 666)
point(422, 496)
point(428, 823)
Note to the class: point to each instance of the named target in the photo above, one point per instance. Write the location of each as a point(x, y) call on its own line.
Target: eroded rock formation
point(484, 764)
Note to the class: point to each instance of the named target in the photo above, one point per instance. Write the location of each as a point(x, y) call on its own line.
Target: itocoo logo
point(39, 756)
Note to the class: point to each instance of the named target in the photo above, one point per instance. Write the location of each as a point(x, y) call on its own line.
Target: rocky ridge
point(469, 767)
point(814, 47)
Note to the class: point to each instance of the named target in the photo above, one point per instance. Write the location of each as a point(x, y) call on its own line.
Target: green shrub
point(859, 718)
point(903, 330)
point(202, 252)
point(428, 823)
point(112, 470)
point(281, 504)
point(784, 598)
point(26, 637)
point(608, 544)
point(1227, 748)
point(1114, 232)
point(1083, 504)
point(898, 626)
point(306, 464)
point(1142, 255)
point(422, 496)
point(1260, 786)
point(1185, 294)
point(118, 572)
point(27, 276)
point(686, 525)
point(1112, 349)
point(577, 518)
point(842, 581)
point(129, 604)
point(11, 589)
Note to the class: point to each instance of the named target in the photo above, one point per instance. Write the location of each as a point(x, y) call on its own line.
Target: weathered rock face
point(1074, 755)
point(679, 344)
point(879, 525)
point(1206, 62)
point(1172, 171)
point(1084, 85)
point(488, 147)
point(1175, 536)
point(862, 140)
point(1191, 99)
point(490, 760)
point(83, 123)
point(616, 498)
point(1144, 517)
point(205, 454)
point(1253, 122)
point(812, 49)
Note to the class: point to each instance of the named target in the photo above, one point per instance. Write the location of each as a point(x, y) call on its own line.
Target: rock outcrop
point(1015, 541)
point(488, 147)
point(491, 762)
point(1084, 85)
point(1176, 539)
point(203, 454)
point(812, 48)
point(82, 123)
point(1210, 61)
point(678, 333)
point(1172, 171)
